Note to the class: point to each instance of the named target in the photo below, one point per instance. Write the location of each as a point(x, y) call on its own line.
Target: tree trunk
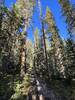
point(23, 58)
point(1, 15)
point(45, 49)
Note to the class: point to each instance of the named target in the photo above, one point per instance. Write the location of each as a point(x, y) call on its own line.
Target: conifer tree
point(56, 43)
point(43, 37)
point(29, 54)
point(25, 10)
point(1, 12)
point(70, 59)
point(10, 26)
point(36, 50)
point(69, 12)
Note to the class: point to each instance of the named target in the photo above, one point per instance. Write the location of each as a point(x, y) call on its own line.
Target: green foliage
point(70, 59)
point(56, 44)
point(48, 61)
point(69, 12)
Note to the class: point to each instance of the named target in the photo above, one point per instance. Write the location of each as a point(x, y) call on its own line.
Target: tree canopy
point(42, 69)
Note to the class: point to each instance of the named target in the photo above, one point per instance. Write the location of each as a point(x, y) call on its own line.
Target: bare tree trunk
point(1, 15)
point(23, 58)
point(45, 51)
point(45, 48)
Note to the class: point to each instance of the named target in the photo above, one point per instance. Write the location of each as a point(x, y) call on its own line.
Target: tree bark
point(45, 48)
point(23, 58)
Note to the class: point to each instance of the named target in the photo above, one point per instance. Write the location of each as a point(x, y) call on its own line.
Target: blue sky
point(55, 8)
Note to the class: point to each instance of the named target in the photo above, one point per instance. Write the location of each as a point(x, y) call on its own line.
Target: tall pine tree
point(56, 44)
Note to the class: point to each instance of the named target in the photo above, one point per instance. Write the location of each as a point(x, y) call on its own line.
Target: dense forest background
point(42, 68)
